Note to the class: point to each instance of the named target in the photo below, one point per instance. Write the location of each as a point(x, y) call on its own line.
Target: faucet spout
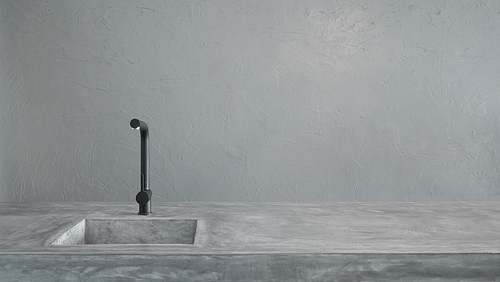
point(144, 196)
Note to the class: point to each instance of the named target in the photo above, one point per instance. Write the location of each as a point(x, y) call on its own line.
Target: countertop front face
point(256, 228)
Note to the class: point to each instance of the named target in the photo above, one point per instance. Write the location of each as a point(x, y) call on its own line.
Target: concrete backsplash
point(251, 100)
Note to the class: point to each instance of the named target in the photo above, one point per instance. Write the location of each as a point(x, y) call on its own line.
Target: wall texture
point(251, 100)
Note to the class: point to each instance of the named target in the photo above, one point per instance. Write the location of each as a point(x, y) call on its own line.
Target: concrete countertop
point(253, 228)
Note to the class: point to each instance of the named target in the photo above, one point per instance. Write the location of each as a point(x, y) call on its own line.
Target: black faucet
point(143, 198)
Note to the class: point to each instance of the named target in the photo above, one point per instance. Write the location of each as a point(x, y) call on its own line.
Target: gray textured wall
point(251, 100)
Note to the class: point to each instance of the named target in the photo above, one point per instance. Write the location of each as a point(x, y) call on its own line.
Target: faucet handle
point(143, 197)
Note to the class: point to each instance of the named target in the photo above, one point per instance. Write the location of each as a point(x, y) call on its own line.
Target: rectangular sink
point(130, 231)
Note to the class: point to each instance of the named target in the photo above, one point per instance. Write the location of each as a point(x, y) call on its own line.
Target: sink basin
point(130, 231)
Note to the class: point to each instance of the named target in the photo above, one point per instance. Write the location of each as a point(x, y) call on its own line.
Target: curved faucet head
point(137, 124)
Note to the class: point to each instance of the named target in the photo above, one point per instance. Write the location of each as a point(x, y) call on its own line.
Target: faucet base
point(145, 209)
point(143, 198)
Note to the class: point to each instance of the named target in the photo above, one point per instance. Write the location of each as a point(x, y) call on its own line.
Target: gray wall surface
point(251, 100)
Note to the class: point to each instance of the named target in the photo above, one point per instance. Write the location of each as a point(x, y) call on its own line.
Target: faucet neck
point(144, 158)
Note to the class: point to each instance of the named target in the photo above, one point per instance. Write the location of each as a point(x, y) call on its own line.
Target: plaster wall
point(251, 100)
